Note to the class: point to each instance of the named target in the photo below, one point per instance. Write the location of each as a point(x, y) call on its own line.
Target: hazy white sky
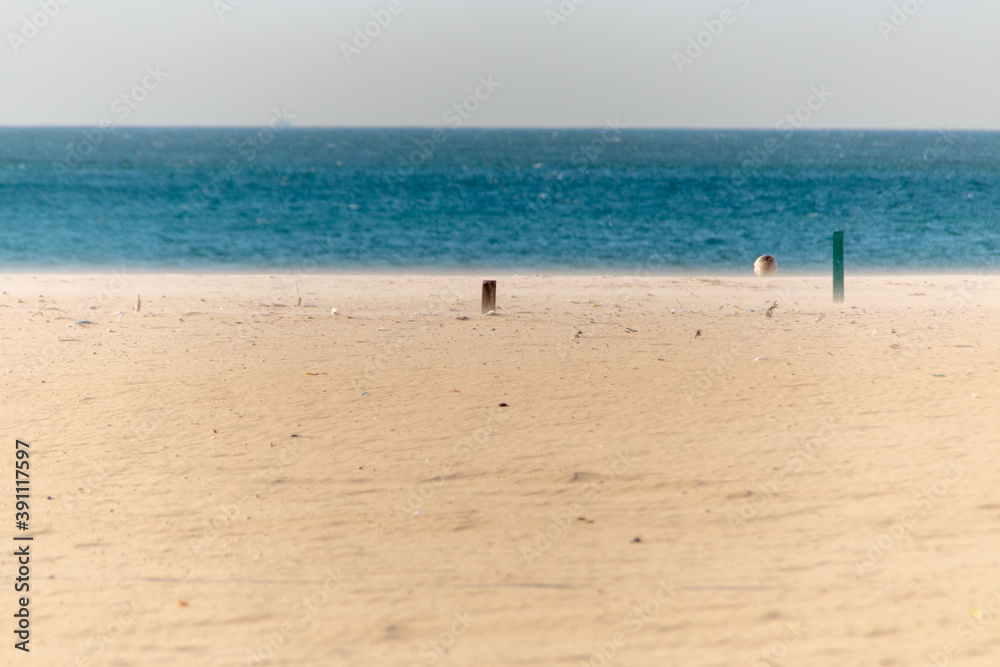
point(232, 62)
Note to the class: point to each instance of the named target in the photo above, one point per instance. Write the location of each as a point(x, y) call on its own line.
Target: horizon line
point(544, 128)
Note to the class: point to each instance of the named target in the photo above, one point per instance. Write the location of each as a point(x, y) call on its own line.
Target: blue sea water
point(602, 200)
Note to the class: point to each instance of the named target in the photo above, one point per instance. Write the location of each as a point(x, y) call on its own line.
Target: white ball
point(766, 265)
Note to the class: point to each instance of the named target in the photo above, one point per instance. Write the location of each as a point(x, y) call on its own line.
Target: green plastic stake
point(838, 267)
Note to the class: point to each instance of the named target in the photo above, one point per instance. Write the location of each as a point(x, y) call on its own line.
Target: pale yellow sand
point(236, 479)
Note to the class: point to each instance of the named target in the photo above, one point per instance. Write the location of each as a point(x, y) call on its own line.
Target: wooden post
point(489, 296)
point(838, 267)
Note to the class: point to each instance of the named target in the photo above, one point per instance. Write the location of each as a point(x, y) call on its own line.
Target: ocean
point(607, 200)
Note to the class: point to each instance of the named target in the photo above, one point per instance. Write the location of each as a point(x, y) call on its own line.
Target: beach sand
point(228, 478)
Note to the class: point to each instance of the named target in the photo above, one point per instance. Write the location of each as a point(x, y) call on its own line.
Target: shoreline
point(740, 273)
point(880, 289)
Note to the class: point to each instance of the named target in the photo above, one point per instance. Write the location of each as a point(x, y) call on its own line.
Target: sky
point(913, 64)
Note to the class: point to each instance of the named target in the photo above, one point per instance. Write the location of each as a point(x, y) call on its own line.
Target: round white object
point(766, 265)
